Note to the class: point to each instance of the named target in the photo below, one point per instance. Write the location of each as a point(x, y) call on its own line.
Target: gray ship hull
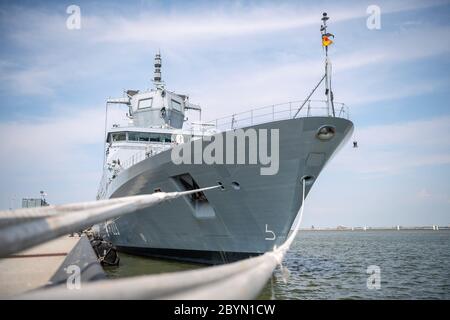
point(237, 222)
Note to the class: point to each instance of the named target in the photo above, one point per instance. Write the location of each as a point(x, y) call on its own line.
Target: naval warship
point(252, 211)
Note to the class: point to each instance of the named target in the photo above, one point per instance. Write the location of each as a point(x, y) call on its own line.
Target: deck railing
point(135, 158)
point(282, 111)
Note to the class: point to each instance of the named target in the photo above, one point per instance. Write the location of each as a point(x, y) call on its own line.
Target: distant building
point(33, 202)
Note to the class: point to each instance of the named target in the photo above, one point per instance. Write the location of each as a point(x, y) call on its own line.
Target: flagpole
point(328, 93)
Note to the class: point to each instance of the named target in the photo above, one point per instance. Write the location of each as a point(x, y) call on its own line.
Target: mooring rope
point(23, 228)
point(286, 245)
point(243, 279)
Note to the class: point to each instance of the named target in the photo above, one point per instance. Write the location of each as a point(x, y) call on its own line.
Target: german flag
point(326, 41)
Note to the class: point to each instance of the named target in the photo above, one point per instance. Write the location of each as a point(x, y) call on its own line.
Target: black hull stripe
point(195, 256)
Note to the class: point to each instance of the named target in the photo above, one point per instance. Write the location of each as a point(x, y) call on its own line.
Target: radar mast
point(159, 84)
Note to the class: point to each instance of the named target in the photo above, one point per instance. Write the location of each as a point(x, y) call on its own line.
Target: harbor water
point(408, 264)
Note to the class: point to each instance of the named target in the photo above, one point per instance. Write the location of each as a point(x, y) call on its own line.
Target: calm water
point(333, 265)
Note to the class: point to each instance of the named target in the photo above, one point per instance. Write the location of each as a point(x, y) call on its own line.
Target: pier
point(33, 268)
point(67, 268)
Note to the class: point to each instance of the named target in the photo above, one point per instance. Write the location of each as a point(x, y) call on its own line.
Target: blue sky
point(231, 56)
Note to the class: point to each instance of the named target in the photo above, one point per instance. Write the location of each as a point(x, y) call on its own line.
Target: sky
point(231, 56)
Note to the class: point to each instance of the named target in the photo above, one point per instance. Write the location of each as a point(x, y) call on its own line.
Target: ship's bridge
point(157, 108)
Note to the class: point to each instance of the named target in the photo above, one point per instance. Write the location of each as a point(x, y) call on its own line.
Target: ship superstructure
point(251, 212)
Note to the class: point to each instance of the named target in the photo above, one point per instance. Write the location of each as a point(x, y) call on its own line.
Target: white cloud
point(428, 196)
point(35, 81)
point(56, 148)
point(392, 149)
point(430, 133)
point(181, 28)
point(52, 136)
point(424, 194)
point(108, 42)
point(52, 153)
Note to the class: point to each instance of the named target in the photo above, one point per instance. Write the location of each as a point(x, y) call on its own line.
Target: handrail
point(275, 112)
point(131, 161)
point(276, 105)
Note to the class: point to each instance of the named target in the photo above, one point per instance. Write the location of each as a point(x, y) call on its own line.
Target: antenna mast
point(157, 75)
point(326, 41)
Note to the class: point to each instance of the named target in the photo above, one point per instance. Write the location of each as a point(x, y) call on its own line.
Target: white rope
point(243, 279)
point(19, 232)
point(286, 245)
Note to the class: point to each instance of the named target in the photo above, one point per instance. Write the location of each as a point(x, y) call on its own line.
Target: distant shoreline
point(426, 228)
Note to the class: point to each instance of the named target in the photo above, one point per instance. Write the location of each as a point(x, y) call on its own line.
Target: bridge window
point(119, 136)
point(145, 103)
point(149, 136)
point(133, 136)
